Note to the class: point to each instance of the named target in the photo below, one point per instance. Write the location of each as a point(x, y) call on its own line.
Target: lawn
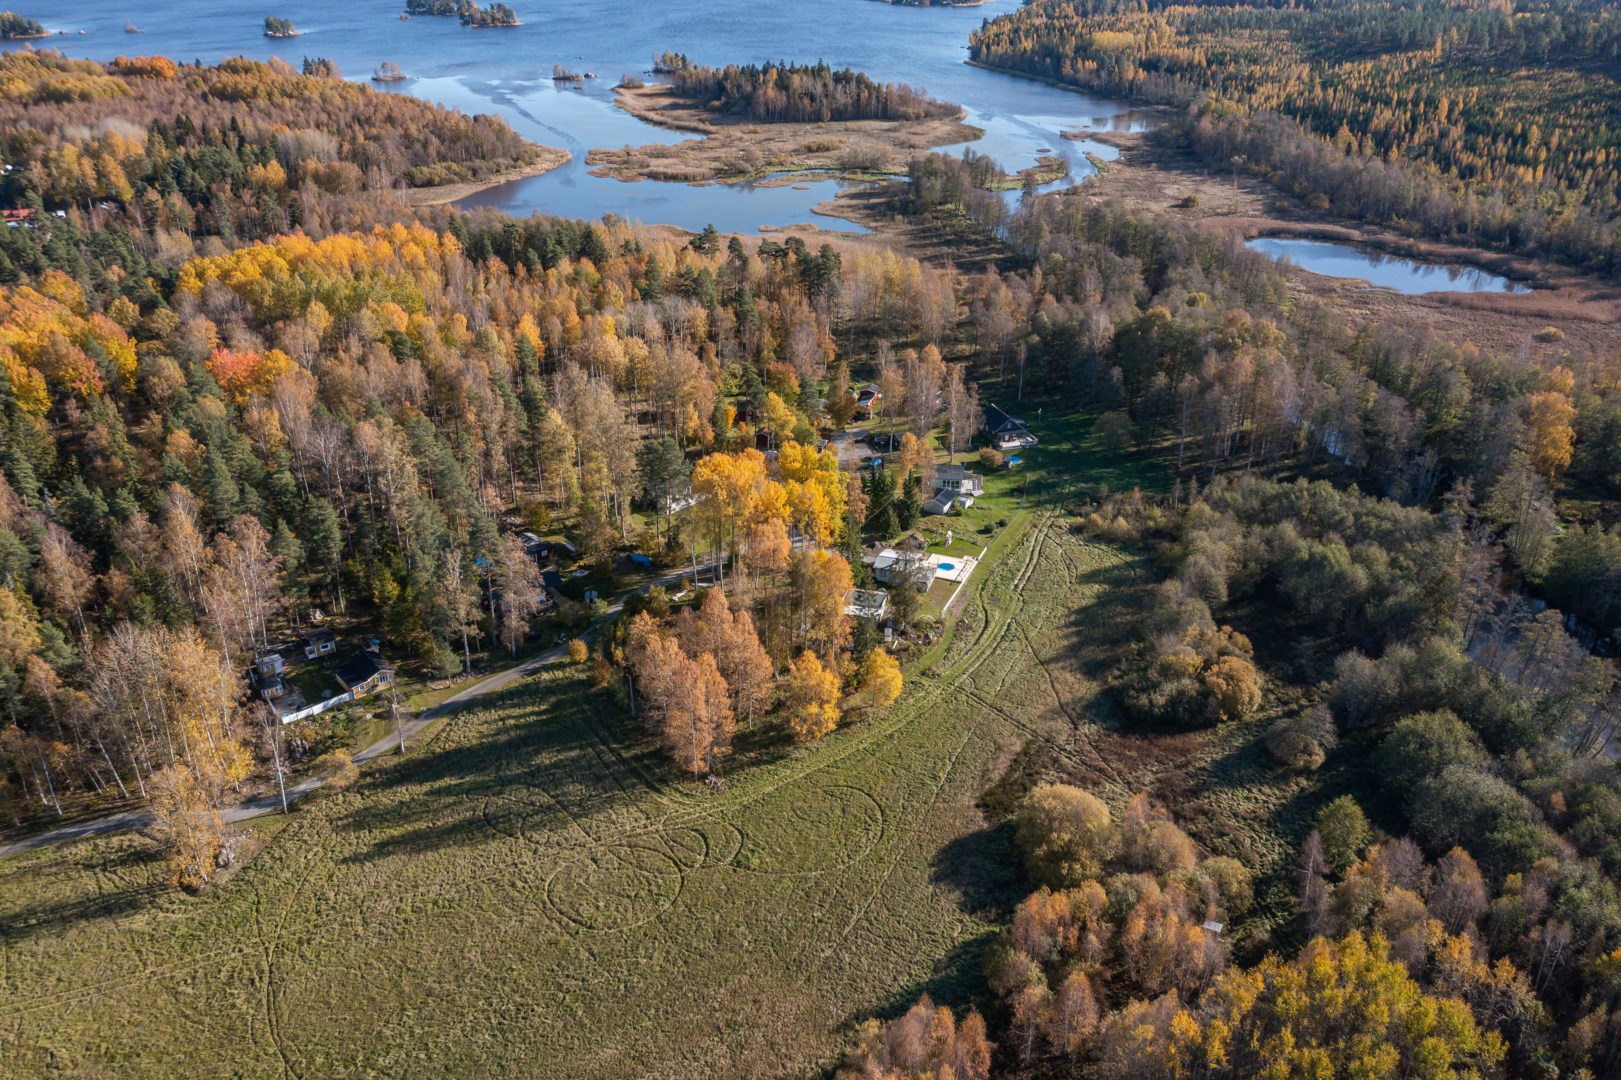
point(1070, 460)
point(535, 885)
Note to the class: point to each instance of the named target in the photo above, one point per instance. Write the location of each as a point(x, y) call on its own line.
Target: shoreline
point(1131, 106)
point(551, 157)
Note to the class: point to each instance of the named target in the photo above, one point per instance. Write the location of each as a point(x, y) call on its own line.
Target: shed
point(319, 643)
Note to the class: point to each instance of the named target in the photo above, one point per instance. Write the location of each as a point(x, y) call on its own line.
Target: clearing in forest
point(532, 893)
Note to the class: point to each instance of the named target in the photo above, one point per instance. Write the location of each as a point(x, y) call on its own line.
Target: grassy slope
point(535, 892)
point(535, 887)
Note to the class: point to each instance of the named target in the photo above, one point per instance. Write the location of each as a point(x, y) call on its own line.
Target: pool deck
point(952, 567)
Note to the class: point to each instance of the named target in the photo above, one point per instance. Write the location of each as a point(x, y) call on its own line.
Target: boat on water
point(388, 71)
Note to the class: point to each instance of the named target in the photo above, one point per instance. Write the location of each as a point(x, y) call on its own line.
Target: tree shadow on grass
point(543, 757)
point(762, 743)
point(49, 917)
point(957, 980)
point(983, 867)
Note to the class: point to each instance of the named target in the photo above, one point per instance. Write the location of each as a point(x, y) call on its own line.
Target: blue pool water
point(948, 566)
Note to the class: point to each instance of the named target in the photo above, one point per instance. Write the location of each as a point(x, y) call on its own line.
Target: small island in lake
point(668, 63)
point(777, 121)
point(279, 28)
point(494, 15)
point(466, 10)
point(388, 71)
point(15, 27)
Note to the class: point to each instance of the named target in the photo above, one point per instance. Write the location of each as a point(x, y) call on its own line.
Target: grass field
point(534, 893)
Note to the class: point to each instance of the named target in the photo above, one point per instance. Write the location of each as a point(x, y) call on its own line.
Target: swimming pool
point(1014, 460)
point(948, 567)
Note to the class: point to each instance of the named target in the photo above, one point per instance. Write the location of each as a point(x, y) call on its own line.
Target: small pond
point(1387, 271)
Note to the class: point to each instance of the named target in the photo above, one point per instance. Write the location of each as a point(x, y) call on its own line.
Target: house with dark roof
point(363, 673)
point(542, 550)
point(1007, 432)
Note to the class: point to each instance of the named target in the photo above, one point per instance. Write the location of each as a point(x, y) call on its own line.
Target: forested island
point(15, 27)
point(777, 119)
point(1443, 120)
point(799, 93)
point(467, 11)
point(279, 28)
point(494, 15)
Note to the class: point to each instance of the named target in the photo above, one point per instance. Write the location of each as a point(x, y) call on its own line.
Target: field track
point(535, 893)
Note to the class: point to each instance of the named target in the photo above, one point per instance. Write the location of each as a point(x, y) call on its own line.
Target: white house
point(870, 604)
point(890, 567)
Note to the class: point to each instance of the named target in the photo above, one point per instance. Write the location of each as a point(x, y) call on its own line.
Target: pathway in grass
point(535, 894)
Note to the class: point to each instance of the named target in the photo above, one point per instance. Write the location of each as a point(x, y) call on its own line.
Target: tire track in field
point(703, 809)
point(993, 634)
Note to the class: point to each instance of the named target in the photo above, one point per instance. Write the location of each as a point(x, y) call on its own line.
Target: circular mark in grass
point(810, 830)
point(725, 842)
point(616, 887)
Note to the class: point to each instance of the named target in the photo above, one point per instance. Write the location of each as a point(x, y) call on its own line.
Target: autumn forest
point(1110, 651)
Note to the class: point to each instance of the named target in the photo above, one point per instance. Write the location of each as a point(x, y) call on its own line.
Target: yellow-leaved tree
point(188, 826)
point(1342, 1008)
point(881, 678)
point(810, 692)
point(1553, 433)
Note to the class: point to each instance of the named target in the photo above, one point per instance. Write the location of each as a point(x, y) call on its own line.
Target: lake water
point(507, 71)
point(1389, 271)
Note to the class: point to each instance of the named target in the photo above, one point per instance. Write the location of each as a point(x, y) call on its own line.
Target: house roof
point(867, 603)
point(358, 668)
point(949, 472)
point(996, 419)
point(889, 557)
point(320, 635)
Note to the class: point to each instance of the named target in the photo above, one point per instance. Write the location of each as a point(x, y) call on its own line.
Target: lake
point(508, 72)
point(1387, 271)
